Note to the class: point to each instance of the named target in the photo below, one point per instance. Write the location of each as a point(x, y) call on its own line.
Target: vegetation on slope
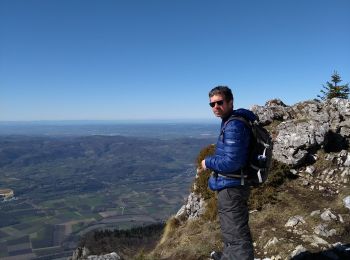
point(124, 242)
point(282, 196)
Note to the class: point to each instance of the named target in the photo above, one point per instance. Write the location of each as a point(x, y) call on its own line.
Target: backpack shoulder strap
point(234, 117)
point(239, 118)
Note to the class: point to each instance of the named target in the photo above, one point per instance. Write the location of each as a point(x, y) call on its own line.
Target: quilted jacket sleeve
point(231, 150)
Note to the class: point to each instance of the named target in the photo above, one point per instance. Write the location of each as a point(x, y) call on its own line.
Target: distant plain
point(69, 179)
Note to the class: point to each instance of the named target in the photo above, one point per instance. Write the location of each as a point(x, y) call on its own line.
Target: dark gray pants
point(234, 216)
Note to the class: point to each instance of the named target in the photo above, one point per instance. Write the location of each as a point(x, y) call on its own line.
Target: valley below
point(65, 187)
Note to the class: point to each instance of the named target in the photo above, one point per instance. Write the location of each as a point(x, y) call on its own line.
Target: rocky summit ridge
point(306, 127)
point(302, 212)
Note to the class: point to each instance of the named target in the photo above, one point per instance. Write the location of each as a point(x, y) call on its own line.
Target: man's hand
point(203, 165)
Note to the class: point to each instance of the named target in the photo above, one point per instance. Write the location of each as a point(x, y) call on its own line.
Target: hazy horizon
point(149, 129)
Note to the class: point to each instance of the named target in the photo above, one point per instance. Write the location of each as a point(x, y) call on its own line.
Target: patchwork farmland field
point(66, 187)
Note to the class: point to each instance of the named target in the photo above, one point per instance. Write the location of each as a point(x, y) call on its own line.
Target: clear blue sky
point(157, 59)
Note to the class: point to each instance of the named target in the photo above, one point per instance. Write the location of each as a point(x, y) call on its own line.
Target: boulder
point(308, 110)
point(194, 208)
point(294, 221)
point(322, 230)
point(296, 138)
point(271, 242)
point(298, 250)
point(80, 253)
point(327, 215)
point(305, 126)
point(346, 201)
point(274, 109)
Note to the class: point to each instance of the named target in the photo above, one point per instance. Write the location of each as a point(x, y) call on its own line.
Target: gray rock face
point(272, 111)
point(294, 221)
point(266, 115)
point(327, 215)
point(111, 256)
point(295, 138)
point(298, 250)
point(305, 126)
point(83, 254)
point(322, 230)
point(194, 207)
point(80, 253)
point(346, 201)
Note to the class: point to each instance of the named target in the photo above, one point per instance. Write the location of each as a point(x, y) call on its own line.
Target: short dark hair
point(223, 91)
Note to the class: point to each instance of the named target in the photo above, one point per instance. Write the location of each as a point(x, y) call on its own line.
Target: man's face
point(221, 107)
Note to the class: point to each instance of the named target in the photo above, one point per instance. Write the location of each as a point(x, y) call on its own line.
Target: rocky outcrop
point(296, 139)
point(194, 206)
point(80, 253)
point(83, 253)
point(300, 132)
point(306, 127)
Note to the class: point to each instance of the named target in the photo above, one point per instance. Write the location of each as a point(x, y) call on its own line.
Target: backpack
point(257, 168)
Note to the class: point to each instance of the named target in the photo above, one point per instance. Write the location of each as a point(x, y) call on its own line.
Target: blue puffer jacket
point(231, 152)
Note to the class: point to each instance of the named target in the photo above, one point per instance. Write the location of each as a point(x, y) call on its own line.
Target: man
point(231, 155)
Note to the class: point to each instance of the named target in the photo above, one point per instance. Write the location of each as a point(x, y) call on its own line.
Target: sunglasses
point(220, 103)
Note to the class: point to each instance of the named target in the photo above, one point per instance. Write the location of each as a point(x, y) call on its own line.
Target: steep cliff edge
point(302, 211)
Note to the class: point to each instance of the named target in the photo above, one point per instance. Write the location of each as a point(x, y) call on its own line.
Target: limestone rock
point(111, 256)
point(271, 242)
point(80, 253)
point(322, 230)
point(327, 215)
point(347, 161)
point(294, 139)
point(305, 126)
point(181, 213)
point(310, 109)
point(346, 201)
point(315, 213)
point(275, 102)
point(298, 250)
point(294, 221)
point(194, 208)
point(310, 169)
point(264, 114)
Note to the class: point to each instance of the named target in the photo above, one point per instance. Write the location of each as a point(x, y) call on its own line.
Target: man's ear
point(231, 103)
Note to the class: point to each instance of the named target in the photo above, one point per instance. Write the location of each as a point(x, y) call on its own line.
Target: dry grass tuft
point(277, 200)
point(201, 185)
point(321, 163)
point(206, 151)
point(211, 210)
point(170, 228)
point(194, 239)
